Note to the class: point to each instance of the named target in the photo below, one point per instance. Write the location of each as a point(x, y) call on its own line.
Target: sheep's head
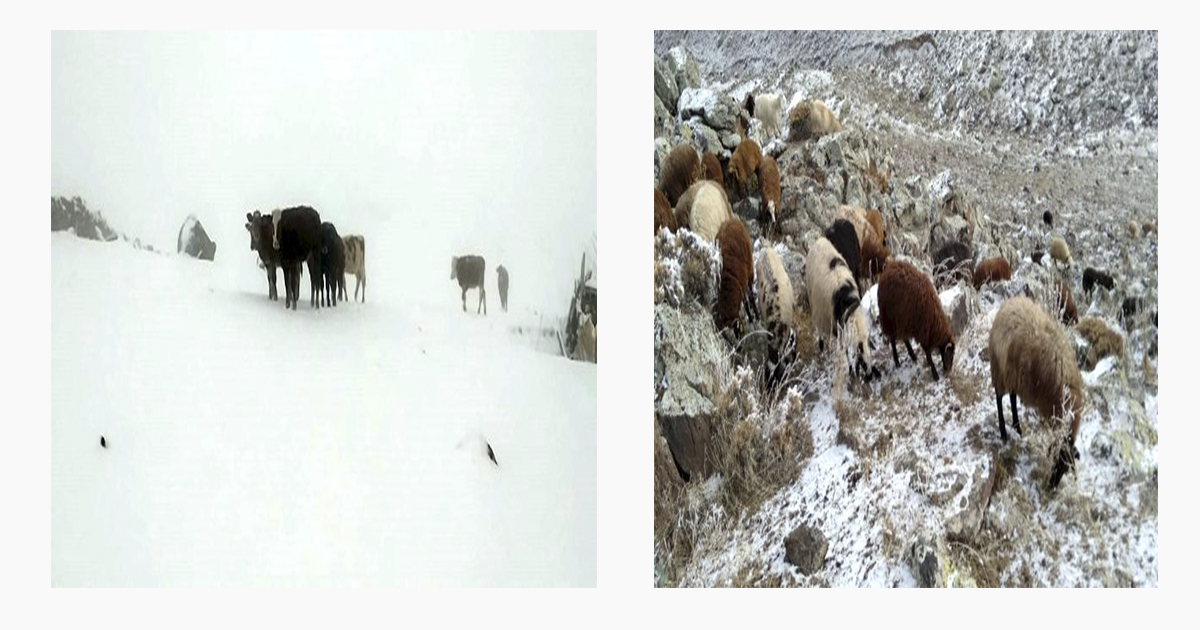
point(947, 357)
point(1067, 456)
point(453, 267)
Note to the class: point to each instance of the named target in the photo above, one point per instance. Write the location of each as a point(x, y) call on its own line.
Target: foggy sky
point(485, 143)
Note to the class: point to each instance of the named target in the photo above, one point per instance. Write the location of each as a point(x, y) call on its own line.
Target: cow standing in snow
point(469, 271)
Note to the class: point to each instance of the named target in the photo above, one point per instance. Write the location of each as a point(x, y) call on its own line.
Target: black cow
point(299, 241)
point(333, 263)
point(261, 235)
point(469, 271)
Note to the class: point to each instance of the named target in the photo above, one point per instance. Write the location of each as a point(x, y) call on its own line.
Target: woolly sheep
point(679, 170)
point(703, 209)
point(768, 183)
point(737, 270)
point(663, 215)
point(909, 308)
point(833, 298)
point(712, 168)
point(775, 298)
point(744, 163)
point(769, 109)
point(1059, 251)
point(1030, 357)
point(991, 270)
point(811, 119)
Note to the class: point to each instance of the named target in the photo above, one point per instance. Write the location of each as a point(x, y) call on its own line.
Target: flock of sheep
point(1030, 355)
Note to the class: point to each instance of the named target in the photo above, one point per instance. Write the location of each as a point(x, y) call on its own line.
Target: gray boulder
point(194, 241)
point(664, 85)
point(719, 111)
point(805, 548)
point(684, 68)
point(687, 353)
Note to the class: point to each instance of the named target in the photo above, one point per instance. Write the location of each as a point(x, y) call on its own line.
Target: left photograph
point(261, 372)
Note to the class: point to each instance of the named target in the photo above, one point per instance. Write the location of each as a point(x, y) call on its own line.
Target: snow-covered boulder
point(194, 241)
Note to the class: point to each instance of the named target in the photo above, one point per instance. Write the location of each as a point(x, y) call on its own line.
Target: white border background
point(625, 545)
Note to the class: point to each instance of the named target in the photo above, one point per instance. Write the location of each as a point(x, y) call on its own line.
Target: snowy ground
point(249, 445)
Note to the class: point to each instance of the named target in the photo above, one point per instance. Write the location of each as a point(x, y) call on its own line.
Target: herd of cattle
point(291, 237)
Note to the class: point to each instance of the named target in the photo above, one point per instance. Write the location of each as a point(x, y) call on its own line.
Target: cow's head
point(260, 227)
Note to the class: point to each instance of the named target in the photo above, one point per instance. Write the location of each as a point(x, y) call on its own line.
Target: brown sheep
point(991, 270)
point(1064, 303)
point(811, 119)
point(873, 256)
point(768, 182)
point(680, 170)
point(744, 163)
point(868, 225)
point(712, 168)
point(909, 308)
point(663, 215)
point(737, 269)
point(1030, 357)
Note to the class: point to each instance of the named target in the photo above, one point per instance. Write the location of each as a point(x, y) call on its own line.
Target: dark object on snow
point(1093, 277)
point(73, 213)
point(194, 241)
point(1048, 218)
point(954, 257)
point(470, 272)
point(299, 241)
point(492, 455)
point(1037, 256)
point(333, 263)
point(103, 444)
point(502, 281)
point(805, 548)
point(1131, 306)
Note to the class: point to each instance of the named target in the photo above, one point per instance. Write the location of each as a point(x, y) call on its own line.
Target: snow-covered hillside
point(249, 445)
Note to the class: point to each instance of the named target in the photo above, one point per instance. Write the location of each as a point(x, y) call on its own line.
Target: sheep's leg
point(1012, 396)
point(895, 355)
point(1000, 413)
point(929, 359)
point(913, 355)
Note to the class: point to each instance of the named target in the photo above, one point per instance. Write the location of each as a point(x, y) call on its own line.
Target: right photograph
point(906, 309)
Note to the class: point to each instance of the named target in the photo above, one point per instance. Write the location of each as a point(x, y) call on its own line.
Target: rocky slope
point(954, 137)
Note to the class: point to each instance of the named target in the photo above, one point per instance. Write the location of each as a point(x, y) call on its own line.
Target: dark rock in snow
point(194, 241)
point(805, 548)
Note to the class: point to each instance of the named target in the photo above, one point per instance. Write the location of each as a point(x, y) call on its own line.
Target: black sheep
point(469, 271)
point(845, 241)
point(333, 263)
point(1093, 277)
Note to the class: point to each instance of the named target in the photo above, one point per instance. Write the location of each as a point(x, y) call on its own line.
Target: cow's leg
point(482, 301)
point(464, 299)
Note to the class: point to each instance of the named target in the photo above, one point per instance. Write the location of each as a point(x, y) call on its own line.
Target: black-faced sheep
point(768, 185)
point(953, 260)
point(991, 270)
point(502, 283)
point(1093, 277)
point(664, 216)
point(1059, 251)
point(470, 272)
point(811, 119)
point(333, 263)
point(845, 241)
point(356, 263)
point(1030, 357)
point(909, 308)
point(833, 297)
point(737, 269)
point(703, 208)
point(743, 164)
point(712, 168)
point(678, 171)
